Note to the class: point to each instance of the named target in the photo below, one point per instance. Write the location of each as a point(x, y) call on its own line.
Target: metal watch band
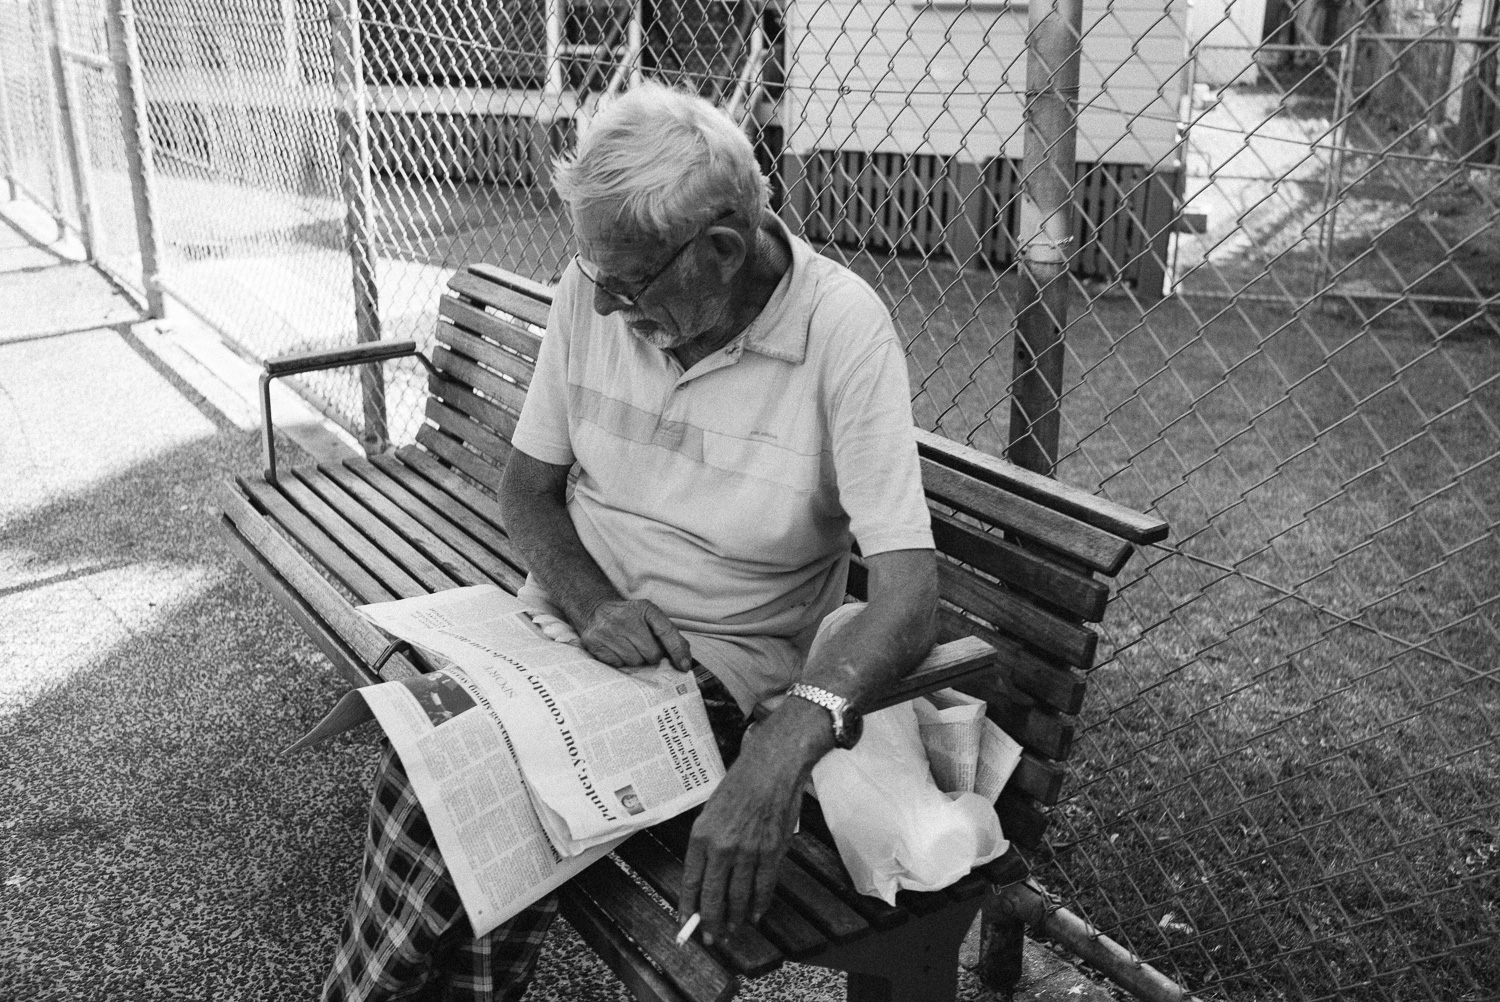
point(837, 706)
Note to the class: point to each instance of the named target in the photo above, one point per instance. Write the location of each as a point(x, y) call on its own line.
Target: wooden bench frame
point(1018, 559)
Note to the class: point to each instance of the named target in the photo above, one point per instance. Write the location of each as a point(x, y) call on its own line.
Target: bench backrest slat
point(1069, 590)
point(1116, 519)
point(498, 297)
point(465, 370)
point(482, 409)
point(1092, 547)
point(1070, 643)
point(506, 333)
point(490, 355)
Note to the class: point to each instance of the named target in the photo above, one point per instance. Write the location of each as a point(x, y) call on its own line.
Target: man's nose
point(605, 303)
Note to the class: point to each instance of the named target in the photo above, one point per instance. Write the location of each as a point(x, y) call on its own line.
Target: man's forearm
point(890, 637)
point(878, 647)
point(537, 520)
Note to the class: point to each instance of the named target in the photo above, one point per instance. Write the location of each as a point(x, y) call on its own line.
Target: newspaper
point(966, 751)
point(531, 759)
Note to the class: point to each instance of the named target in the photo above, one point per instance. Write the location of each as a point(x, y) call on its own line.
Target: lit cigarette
point(688, 927)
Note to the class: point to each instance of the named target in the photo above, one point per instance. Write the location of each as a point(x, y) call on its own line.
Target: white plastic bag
point(895, 830)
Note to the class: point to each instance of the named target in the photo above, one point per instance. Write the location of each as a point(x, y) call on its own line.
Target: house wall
point(1225, 34)
point(894, 76)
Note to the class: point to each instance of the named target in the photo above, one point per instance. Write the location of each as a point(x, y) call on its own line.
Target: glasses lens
point(593, 277)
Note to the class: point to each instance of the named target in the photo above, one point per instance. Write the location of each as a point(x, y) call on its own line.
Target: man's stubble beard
point(716, 314)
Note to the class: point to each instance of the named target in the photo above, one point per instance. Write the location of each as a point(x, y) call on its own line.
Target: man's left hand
point(738, 841)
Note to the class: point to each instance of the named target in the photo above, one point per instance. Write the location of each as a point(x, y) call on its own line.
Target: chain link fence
point(1283, 334)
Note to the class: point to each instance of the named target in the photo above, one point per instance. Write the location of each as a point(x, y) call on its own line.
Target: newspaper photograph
point(531, 759)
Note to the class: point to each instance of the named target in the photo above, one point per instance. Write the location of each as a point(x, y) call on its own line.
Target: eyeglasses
point(631, 299)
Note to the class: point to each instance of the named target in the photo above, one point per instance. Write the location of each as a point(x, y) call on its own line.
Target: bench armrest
point(948, 663)
point(313, 361)
point(332, 358)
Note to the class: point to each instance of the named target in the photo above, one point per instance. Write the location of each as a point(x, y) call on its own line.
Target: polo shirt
point(728, 494)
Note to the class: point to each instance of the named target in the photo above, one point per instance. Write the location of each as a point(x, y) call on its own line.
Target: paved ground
point(153, 843)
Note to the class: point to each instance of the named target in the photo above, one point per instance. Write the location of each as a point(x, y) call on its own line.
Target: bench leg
point(1002, 941)
point(915, 962)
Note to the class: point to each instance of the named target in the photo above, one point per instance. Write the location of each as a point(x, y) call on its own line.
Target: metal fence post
point(8, 139)
point(75, 143)
point(1049, 159)
point(125, 53)
point(1343, 108)
point(354, 161)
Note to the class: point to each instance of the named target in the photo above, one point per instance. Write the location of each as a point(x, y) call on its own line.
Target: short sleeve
point(875, 455)
point(542, 431)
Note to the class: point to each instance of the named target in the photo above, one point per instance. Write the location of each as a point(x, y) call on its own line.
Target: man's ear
point(730, 250)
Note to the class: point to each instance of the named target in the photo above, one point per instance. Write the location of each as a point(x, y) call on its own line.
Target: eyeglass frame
point(633, 300)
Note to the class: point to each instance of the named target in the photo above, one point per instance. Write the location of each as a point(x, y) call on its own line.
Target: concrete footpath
point(154, 844)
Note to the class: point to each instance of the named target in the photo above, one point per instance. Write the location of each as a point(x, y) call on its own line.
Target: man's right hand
point(628, 634)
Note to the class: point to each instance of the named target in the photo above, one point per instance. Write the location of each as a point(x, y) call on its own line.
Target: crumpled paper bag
point(895, 830)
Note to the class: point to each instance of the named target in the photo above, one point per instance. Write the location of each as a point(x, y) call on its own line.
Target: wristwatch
point(848, 723)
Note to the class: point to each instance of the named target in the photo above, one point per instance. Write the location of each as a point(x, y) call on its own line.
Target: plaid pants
point(405, 934)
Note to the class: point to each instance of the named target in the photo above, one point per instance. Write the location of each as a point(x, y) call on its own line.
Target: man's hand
point(729, 871)
point(628, 634)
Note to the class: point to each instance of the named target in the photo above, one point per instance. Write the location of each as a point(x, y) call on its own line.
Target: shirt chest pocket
point(759, 459)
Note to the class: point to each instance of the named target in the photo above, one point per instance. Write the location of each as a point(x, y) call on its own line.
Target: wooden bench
point(1021, 558)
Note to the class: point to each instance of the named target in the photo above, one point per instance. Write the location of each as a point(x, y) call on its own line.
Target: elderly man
point(738, 409)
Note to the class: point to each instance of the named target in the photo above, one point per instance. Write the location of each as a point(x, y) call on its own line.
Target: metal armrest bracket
point(313, 361)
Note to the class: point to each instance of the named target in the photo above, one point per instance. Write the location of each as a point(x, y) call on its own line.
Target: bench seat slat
point(1094, 548)
point(494, 568)
point(421, 535)
point(315, 596)
point(793, 935)
point(1090, 509)
point(517, 304)
point(500, 421)
point(471, 497)
point(613, 947)
point(339, 564)
point(452, 452)
point(464, 370)
point(484, 533)
point(504, 332)
point(460, 425)
point(1024, 570)
point(689, 967)
point(822, 861)
point(1067, 642)
point(430, 575)
point(839, 922)
point(393, 578)
point(490, 356)
point(747, 951)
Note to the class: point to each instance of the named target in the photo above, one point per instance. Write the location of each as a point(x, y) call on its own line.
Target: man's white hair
point(671, 160)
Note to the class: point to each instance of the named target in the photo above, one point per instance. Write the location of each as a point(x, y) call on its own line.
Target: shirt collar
point(781, 330)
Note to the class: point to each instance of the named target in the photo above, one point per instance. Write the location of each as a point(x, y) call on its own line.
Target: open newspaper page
point(464, 771)
point(604, 751)
point(531, 759)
